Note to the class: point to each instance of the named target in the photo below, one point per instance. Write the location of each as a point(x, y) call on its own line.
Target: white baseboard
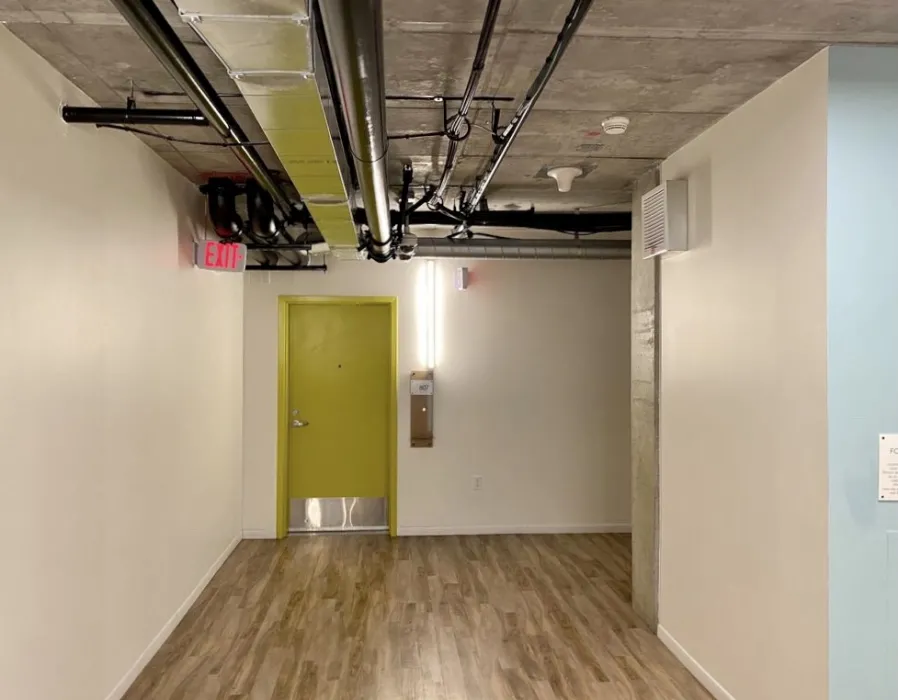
point(122, 686)
point(259, 535)
point(695, 668)
point(436, 530)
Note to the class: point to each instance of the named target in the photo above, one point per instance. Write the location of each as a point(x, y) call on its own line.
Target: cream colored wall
point(532, 393)
point(120, 396)
point(743, 399)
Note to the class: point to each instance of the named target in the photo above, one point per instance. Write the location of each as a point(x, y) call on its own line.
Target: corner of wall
point(644, 456)
point(259, 534)
point(743, 387)
point(118, 692)
point(709, 683)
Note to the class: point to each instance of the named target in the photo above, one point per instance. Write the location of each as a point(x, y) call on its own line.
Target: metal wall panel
point(338, 514)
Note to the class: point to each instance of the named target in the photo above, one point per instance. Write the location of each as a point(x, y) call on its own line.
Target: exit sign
point(212, 255)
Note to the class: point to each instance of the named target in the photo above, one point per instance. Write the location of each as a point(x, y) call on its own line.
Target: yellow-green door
point(339, 415)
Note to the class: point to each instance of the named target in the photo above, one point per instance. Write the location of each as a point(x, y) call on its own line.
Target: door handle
point(300, 423)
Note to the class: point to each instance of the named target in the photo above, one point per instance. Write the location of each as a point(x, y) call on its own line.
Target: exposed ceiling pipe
point(354, 31)
point(459, 127)
point(566, 221)
point(513, 249)
point(571, 24)
point(331, 89)
point(133, 115)
point(221, 201)
point(152, 27)
point(286, 268)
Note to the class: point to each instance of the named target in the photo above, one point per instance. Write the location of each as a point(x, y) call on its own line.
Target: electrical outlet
point(478, 483)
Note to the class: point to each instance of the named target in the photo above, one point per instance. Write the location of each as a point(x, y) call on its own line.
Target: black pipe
point(403, 200)
point(570, 222)
point(221, 196)
point(288, 268)
point(460, 122)
point(279, 247)
point(483, 47)
point(512, 249)
point(497, 113)
point(446, 98)
point(129, 115)
point(415, 135)
point(151, 26)
point(428, 195)
point(571, 23)
point(263, 222)
point(455, 216)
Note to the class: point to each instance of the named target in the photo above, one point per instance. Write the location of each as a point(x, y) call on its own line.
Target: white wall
point(120, 396)
point(743, 400)
point(532, 393)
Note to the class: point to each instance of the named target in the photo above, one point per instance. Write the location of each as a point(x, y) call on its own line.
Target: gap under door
point(340, 396)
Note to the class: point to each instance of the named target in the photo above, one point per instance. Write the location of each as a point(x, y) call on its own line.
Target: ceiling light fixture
point(564, 177)
point(615, 126)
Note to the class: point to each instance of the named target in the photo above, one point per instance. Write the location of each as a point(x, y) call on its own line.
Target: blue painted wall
point(862, 287)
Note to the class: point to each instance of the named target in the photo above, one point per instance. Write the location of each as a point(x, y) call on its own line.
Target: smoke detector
point(564, 177)
point(615, 126)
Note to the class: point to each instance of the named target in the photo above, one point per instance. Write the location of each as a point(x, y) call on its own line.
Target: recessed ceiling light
point(615, 126)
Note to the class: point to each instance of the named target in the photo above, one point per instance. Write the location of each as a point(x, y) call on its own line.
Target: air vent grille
point(665, 219)
point(654, 216)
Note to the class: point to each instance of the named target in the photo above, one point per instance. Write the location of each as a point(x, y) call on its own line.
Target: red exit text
point(213, 255)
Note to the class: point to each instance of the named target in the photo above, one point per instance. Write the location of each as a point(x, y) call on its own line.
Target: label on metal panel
point(888, 467)
point(422, 387)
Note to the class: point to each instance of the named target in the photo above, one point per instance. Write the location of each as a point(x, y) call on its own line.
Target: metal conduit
point(333, 91)
point(132, 115)
point(571, 24)
point(354, 32)
point(456, 128)
point(152, 27)
point(571, 222)
point(492, 249)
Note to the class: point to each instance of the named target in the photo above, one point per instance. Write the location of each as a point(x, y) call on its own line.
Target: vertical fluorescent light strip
point(431, 312)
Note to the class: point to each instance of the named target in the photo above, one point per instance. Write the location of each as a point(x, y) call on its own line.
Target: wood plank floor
point(361, 617)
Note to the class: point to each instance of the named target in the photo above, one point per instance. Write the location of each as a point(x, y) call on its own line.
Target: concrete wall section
point(644, 356)
point(743, 592)
point(862, 249)
point(531, 394)
point(120, 425)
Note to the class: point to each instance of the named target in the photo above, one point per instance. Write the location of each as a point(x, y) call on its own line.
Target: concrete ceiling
point(672, 66)
point(89, 43)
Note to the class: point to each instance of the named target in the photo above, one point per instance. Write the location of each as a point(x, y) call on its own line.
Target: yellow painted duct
point(267, 50)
